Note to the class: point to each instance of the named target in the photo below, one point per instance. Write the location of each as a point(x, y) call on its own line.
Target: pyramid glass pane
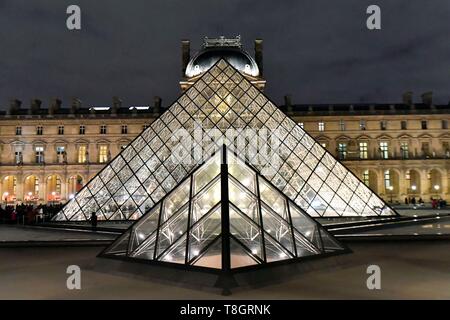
point(223, 107)
point(248, 233)
point(239, 256)
point(212, 257)
point(145, 227)
point(172, 230)
point(243, 199)
point(204, 232)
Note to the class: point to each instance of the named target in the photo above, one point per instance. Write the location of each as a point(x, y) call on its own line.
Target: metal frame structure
point(220, 99)
point(304, 236)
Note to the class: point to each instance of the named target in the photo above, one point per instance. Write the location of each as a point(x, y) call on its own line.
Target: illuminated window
point(365, 177)
point(124, 129)
point(60, 154)
point(323, 144)
point(103, 154)
point(384, 150)
point(363, 150)
point(342, 150)
point(321, 126)
point(82, 129)
point(387, 178)
point(404, 149)
point(82, 154)
point(18, 157)
point(301, 125)
point(39, 130)
point(39, 154)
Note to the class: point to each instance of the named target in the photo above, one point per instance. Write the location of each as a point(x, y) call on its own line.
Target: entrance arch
point(9, 189)
point(435, 178)
point(31, 189)
point(53, 189)
point(414, 187)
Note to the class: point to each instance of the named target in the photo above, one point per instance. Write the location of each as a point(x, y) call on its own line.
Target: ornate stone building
point(47, 154)
point(399, 150)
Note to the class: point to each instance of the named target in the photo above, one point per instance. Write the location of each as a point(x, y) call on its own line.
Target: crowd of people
point(435, 202)
point(28, 214)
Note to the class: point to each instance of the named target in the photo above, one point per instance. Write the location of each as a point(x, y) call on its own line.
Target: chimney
point(259, 55)
point(35, 106)
point(116, 105)
point(55, 105)
point(427, 98)
point(14, 106)
point(407, 98)
point(185, 55)
point(288, 103)
point(156, 105)
point(76, 104)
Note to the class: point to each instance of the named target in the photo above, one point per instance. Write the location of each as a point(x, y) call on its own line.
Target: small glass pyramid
point(223, 107)
point(224, 216)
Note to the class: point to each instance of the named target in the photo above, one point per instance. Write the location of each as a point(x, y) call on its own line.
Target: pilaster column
point(424, 185)
point(42, 187)
point(64, 188)
point(402, 184)
point(380, 182)
point(19, 188)
point(445, 192)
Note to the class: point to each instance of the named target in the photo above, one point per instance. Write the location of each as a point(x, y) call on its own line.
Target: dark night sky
point(318, 51)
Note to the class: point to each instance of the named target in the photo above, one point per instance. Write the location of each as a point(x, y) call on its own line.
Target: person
point(94, 220)
point(406, 200)
point(413, 200)
point(14, 216)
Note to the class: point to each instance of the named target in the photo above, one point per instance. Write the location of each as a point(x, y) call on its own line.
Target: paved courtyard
point(410, 270)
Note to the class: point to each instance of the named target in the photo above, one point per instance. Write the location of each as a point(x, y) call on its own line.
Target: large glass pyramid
point(223, 107)
point(224, 216)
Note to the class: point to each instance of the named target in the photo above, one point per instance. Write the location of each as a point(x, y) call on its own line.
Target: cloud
point(320, 52)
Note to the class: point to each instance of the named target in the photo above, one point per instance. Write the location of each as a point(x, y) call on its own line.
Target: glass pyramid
point(224, 216)
point(223, 107)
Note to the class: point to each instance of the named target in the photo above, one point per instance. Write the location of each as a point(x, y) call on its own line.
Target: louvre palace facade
point(50, 150)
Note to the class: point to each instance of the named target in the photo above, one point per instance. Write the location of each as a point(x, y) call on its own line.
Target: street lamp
point(436, 187)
